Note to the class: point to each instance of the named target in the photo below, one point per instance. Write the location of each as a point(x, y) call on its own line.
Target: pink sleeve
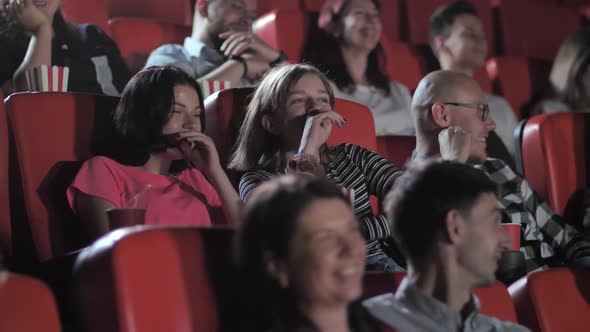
point(96, 178)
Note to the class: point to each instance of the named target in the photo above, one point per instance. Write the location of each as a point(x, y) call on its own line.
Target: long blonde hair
point(569, 67)
point(256, 147)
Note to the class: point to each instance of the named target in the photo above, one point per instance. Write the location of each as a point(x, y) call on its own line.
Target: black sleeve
point(11, 56)
point(121, 73)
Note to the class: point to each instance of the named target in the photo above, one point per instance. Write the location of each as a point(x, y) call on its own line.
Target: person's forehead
point(468, 91)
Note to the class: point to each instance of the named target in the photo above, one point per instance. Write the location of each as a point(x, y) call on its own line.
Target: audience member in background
point(34, 33)
point(159, 120)
point(452, 120)
point(445, 218)
point(458, 40)
point(570, 76)
point(347, 49)
point(301, 255)
point(285, 129)
point(222, 46)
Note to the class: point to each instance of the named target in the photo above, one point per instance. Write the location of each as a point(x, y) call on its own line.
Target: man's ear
point(440, 115)
point(454, 227)
point(276, 270)
point(268, 124)
point(439, 44)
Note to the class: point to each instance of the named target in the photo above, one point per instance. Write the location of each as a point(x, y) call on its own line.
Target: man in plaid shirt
point(452, 120)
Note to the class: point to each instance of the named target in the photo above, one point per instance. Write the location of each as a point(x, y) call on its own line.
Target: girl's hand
point(317, 130)
point(28, 15)
point(200, 150)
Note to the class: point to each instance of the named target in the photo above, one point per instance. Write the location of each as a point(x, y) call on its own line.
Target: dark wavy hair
point(10, 29)
point(269, 224)
point(145, 106)
point(322, 49)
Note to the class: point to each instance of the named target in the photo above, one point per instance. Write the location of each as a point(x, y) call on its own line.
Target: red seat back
point(420, 11)
point(26, 305)
point(53, 132)
point(537, 35)
point(136, 47)
point(396, 148)
point(5, 227)
point(511, 78)
point(172, 11)
point(88, 11)
point(557, 299)
point(225, 112)
point(155, 279)
point(494, 300)
point(285, 30)
point(553, 155)
point(403, 63)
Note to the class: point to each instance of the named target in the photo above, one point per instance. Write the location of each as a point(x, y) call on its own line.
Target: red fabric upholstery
point(154, 279)
point(420, 11)
point(285, 30)
point(553, 155)
point(482, 78)
point(5, 227)
point(88, 11)
point(396, 148)
point(266, 6)
point(557, 299)
point(511, 77)
point(225, 110)
point(537, 35)
point(172, 11)
point(135, 47)
point(26, 305)
point(495, 300)
point(51, 132)
point(403, 63)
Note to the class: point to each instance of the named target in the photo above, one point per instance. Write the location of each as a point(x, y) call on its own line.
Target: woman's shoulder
point(398, 88)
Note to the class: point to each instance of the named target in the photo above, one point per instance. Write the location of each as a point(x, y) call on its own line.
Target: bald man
point(222, 46)
point(452, 121)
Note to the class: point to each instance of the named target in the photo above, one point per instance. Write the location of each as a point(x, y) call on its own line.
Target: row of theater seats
point(520, 77)
point(52, 133)
point(403, 20)
point(181, 279)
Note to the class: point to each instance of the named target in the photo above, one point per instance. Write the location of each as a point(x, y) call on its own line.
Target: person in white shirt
point(346, 48)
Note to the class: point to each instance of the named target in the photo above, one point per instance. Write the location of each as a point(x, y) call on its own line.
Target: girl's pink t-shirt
point(182, 199)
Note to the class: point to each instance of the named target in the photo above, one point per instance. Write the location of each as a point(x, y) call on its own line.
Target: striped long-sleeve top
point(360, 171)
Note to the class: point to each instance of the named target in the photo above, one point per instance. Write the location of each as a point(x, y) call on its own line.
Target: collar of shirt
point(412, 297)
point(198, 48)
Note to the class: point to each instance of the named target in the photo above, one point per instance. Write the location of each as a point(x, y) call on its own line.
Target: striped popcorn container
point(210, 87)
point(48, 78)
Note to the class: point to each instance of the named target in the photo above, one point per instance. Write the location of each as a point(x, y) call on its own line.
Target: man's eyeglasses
point(485, 109)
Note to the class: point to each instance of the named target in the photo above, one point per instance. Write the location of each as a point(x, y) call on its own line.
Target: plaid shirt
point(546, 239)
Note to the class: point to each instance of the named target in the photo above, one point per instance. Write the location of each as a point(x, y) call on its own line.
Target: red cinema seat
point(225, 110)
point(285, 30)
point(553, 155)
point(495, 300)
point(26, 305)
point(5, 227)
point(54, 132)
point(266, 6)
point(138, 37)
point(403, 63)
point(396, 148)
point(88, 11)
point(419, 13)
point(155, 279)
point(557, 299)
point(512, 79)
point(535, 29)
point(172, 11)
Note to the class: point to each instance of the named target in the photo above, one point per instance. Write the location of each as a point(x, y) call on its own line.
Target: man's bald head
point(438, 86)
